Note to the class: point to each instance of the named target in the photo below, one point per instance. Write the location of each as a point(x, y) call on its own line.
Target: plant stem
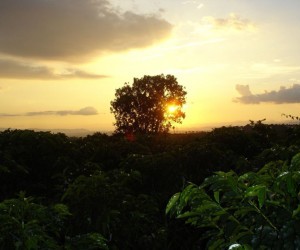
point(262, 214)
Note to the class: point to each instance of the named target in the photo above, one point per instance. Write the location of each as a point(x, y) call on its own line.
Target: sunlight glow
point(171, 109)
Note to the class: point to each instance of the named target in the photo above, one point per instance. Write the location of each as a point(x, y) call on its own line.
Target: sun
point(171, 109)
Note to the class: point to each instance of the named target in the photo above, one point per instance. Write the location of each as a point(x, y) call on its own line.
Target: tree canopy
point(150, 105)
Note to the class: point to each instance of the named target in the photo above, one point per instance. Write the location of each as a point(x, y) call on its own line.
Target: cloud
point(233, 21)
point(84, 111)
point(243, 90)
point(8, 115)
point(18, 70)
point(73, 30)
point(283, 95)
point(75, 73)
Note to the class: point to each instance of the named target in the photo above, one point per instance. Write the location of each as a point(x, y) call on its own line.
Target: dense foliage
point(108, 192)
point(143, 107)
point(251, 211)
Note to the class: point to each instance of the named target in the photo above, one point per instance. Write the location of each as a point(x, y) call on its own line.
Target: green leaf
point(295, 162)
point(172, 202)
point(188, 215)
point(259, 191)
point(62, 210)
point(273, 203)
point(296, 211)
point(238, 236)
point(217, 196)
point(208, 205)
point(210, 180)
point(291, 185)
point(261, 196)
point(247, 179)
point(216, 244)
point(186, 193)
point(237, 246)
point(286, 179)
point(247, 247)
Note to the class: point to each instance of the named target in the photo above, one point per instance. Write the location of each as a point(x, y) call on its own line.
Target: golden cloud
point(233, 21)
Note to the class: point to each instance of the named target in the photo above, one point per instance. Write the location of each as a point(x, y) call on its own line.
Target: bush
point(255, 210)
point(27, 225)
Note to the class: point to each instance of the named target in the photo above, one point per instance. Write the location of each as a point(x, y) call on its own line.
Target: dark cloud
point(84, 111)
point(73, 29)
point(283, 95)
point(17, 70)
point(8, 115)
point(233, 22)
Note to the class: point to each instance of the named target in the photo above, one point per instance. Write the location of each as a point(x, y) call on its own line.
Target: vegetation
point(150, 105)
point(251, 211)
point(109, 192)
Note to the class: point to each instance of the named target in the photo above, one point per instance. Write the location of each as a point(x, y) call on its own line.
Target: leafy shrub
point(27, 225)
point(90, 241)
point(253, 211)
point(104, 203)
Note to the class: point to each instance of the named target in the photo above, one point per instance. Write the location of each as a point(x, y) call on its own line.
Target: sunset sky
point(62, 60)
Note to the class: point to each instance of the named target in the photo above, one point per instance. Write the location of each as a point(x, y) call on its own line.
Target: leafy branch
point(253, 209)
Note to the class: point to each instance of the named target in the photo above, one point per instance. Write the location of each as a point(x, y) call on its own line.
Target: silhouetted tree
point(150, 105)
